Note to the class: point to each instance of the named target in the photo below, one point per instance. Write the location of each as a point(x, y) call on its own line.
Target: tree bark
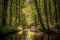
point(39, 14)
point(56, 15)
point(11, 14)
point(5, 12)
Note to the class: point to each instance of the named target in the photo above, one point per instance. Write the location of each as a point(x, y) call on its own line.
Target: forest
point(29, 19)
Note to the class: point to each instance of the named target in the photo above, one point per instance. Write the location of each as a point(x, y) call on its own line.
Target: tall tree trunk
point(16, 11)
point(50, 12)
point(19, 12)
point(1, 11)
point(45, 5)
point(56, 15)
point(46, 13)
point(11, 13)
point(39, 14)
point(5, 12)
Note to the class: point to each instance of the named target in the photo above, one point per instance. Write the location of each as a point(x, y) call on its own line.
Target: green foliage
point(7, 29)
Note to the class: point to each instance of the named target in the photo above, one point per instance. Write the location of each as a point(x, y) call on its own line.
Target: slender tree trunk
point(1, 11)
point(11, 13)
point(16, 12)
point(50, 12)
point(19, 12)
point(46, 13)
point(39, 14)
point(56, 17)
point(45, 5)
point(59, 9)
point(56, 14)
point(5, 12)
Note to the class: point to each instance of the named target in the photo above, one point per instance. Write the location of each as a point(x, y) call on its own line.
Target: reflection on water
point(27, 38)
point(29, 34)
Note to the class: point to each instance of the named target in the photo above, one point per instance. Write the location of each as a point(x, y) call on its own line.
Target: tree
point(1, 11)
point(11, 13)
point(39, 15)
point(5, 12)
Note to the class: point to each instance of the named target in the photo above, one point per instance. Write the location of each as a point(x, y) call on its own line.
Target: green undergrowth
point(7, 29)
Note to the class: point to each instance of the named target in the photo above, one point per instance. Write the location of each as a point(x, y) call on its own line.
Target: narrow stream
point(30, 35)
